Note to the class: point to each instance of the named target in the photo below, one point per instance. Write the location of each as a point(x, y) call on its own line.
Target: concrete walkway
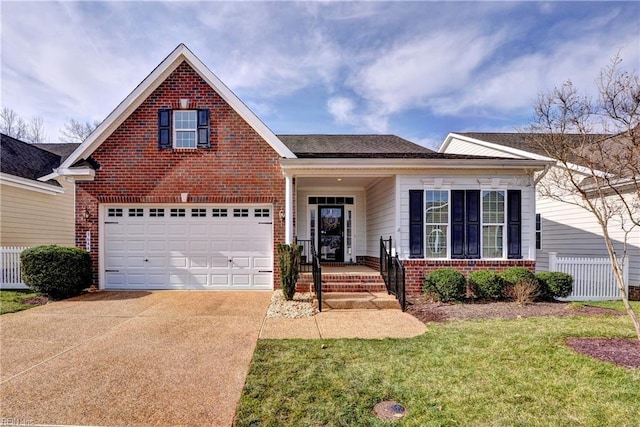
point(369, 324)
point(168, 358)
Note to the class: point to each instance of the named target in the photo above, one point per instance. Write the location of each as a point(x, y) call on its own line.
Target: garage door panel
point(178, 230)
point(179, 251)
point(240, 262)
point(156, 229)
point(198, 262)
point(157, 245)
point(262, 280)
point(241, 280)
point(199, 246)
point(262, 263)
point(220, 261)
point(136, 229)
point(220, 280)
point(178, 262)
point(178, 245)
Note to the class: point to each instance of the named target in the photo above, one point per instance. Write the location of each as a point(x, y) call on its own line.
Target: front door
point(331, 242)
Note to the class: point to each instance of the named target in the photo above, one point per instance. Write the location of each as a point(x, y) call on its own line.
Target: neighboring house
point(563, 228)
point(33, 212)
point(183, 187)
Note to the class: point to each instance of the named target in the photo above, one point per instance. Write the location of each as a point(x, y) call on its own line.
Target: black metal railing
point(310, 262)
point(306, 256)
point(393, 273)
point(317, 277)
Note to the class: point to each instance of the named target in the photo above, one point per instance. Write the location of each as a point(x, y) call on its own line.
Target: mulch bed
point(622, 352)
point(39, 300)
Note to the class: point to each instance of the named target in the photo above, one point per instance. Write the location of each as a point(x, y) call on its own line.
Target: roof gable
point(179, 55)
point(26, 160)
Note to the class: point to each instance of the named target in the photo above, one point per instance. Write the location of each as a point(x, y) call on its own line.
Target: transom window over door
point(186, 128)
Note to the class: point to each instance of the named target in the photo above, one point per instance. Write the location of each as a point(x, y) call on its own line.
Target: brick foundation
point(634, 293)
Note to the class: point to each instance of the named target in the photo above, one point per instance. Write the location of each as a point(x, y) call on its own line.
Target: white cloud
point(342, 109)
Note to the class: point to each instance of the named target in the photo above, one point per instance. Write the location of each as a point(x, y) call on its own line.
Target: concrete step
point(359, 301)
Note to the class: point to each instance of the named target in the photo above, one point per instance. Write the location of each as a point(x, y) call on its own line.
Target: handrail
point(310, 261)
point(392, 272)
point(317, 276)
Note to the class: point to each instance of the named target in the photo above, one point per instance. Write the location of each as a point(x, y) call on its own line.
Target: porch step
point(359, 301)
point(344, 282)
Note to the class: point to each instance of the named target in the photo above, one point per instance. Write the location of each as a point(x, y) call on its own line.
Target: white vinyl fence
point(593, 278)
point(10, 275)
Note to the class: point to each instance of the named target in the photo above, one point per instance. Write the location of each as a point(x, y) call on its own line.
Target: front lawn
point(462, 372)
point(12, 301)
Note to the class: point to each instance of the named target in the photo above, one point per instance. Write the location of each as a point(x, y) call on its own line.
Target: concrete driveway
point(129, 358)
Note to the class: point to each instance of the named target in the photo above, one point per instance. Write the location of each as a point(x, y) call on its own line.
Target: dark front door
point(331, 237)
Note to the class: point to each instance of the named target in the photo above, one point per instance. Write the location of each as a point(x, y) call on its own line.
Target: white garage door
point(188, 247)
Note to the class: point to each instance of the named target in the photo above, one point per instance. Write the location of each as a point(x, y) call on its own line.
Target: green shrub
point(512, 275)
point(486, 284)
point(289, 261)
point(446, 284)
point(57, 271)
point(555, 284)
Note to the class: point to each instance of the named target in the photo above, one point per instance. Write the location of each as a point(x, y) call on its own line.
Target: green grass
point(12, 301)
point(460, 373)
point(615, 305)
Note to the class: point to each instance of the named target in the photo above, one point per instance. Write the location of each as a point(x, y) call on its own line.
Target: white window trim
point(175, 130)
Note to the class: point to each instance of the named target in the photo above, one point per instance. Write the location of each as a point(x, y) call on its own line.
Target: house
point(562, 228)
point(182, 186)
point(32, 212)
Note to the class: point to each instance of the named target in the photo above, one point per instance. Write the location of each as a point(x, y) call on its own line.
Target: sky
point(415, 69)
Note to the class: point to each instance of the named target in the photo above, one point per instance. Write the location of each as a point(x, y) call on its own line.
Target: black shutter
point(164, 129)
point(457, 224)
point(472, 243)
point(514, 224)
point(416, 224)
point(203, 129)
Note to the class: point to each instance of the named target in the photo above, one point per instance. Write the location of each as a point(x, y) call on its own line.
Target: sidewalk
point(369, 324)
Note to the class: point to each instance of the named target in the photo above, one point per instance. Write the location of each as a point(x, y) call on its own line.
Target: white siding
point(30, 218)
point(359, 207)
point(458, 146)
point(381, 213)
point(499, 181)
point(572, 231)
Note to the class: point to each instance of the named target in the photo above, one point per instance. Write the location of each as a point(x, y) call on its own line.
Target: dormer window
point(183, 129)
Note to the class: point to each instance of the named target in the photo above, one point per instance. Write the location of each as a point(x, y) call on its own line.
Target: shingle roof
point(63, 150)
point(384, 146)
point(24, 160)
point(523, 141)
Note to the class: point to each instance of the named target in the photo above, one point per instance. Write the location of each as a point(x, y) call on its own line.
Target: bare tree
point(599, 172)
point(77, 131)
point(15, 126)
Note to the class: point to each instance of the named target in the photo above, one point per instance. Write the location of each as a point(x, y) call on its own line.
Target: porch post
point(288, 209)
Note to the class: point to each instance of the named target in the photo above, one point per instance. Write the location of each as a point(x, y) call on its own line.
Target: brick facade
point(240, 167)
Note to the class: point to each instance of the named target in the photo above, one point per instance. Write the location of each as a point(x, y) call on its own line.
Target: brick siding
point(240, 167)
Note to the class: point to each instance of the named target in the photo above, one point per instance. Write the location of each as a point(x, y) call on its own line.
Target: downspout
point(542, 175)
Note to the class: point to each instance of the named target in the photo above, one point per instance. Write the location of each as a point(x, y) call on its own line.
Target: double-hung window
point(183, 129)
point(437, 223)
point(493, 215)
